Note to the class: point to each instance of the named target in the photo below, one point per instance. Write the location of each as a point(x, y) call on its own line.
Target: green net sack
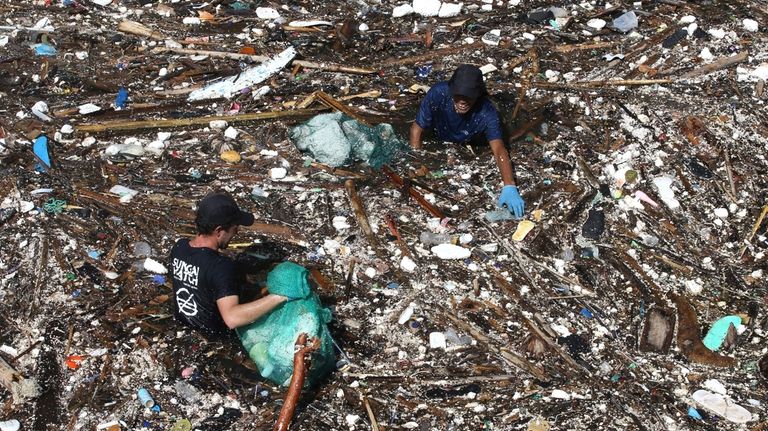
point(270, 340)
point(336, 139)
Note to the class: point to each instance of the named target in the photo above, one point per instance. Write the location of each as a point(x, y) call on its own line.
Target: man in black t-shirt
point(205, 287)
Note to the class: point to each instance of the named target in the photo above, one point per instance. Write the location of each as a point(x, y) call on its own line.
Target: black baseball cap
point(467, 81)
point(219, 209)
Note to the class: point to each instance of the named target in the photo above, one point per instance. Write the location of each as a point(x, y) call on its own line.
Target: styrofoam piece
point(40, 109)
point(750, 25)
point(596, 23)
point(310, 23)
point(407, 264)
point(722, 406)
point(88, 108)
point(437, 340)
point(427, 7)
point(449, 10)
point(267, 13)
point(152, 265)
point(667, 195)
point(402, 10)
point(450, 252)
point(248, 78)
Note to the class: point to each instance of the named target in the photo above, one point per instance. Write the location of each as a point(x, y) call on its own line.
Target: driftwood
point(362, 217)
point(398, 181)
point(689, 338)
point(297, 381)
point(719, 64)
point(111, 126)
point(279, 231)
point(583, 46)
point(755, 228)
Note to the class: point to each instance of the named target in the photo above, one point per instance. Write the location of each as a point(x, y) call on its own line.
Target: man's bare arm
point(236, 314)
point(415, 136)
point(501, 155)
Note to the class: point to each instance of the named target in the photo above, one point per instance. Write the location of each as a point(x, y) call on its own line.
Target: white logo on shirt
point(186, 302)
point(185, 272)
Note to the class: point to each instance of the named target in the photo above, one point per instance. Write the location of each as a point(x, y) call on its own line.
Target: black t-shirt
point(201, 276)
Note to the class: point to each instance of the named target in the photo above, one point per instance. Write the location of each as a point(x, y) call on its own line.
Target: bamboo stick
point(721, 63)
point(111, 126)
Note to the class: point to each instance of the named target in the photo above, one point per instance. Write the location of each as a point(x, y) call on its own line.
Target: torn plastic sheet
point(255, 75)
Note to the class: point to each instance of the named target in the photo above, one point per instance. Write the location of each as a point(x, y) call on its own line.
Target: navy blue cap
point(467, 81)
point(219, 209)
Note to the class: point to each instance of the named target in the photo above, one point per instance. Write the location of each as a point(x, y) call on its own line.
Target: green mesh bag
point(335, 139)
point(270, 340)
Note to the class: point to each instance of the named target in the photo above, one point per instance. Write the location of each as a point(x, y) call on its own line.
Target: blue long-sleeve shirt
point(437, 112)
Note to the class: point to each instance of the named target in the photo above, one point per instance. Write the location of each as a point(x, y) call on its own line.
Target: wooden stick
point(729, 171)
point(719, 64)
point(297, 382)
point(362, 218)
point(583, 46)
point(330, 67)
point(332, 103)
point(755, 228)
point(371, 416)
point(433, 55)
point(398, 239)
point(215, 54)
point(398, 181)
point(139, 29)
point(279, 231)
point(508, 356)
point(111, 126)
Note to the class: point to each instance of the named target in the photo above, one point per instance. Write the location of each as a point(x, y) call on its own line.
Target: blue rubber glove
point(511, 199)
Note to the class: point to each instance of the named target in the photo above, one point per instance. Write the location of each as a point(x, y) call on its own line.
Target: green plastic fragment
point(719, 330)
point(71, 276)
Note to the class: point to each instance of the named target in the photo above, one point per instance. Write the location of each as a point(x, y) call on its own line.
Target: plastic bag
point(336, 139)
point(270, 340)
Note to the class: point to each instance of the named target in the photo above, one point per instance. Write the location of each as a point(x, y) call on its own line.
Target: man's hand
point(511, 199)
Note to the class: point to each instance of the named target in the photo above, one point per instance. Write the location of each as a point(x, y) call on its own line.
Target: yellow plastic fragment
point(231, 156)
point(523, 228)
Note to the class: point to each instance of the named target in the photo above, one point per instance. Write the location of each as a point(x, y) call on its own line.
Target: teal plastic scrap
point(270, 340)
point(719, 330)
point(335, 139)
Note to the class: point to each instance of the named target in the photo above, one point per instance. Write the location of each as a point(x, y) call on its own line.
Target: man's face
point(462, 104)
point(224, 236)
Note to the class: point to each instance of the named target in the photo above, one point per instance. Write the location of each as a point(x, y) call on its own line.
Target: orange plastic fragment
point(73, 361)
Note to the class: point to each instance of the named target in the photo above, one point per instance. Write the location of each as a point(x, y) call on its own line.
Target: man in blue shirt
point(459, 111)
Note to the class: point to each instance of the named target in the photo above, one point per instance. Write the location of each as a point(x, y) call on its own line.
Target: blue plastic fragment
point(156, 408)
point(40, 147)
point(44, 50)
point(393, 285)
point(94, 254)
point(719, 330)
point(586, 313)
point(694, 414)
point(423, 71)
point(158, 279)
point(122, 98)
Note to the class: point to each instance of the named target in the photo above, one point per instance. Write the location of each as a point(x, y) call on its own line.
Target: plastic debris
point(523, 228)
point(722, 406)
point(228, 87)
point(719, 330)
point(667, 195)
point(626, 22)
point(450, 251)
